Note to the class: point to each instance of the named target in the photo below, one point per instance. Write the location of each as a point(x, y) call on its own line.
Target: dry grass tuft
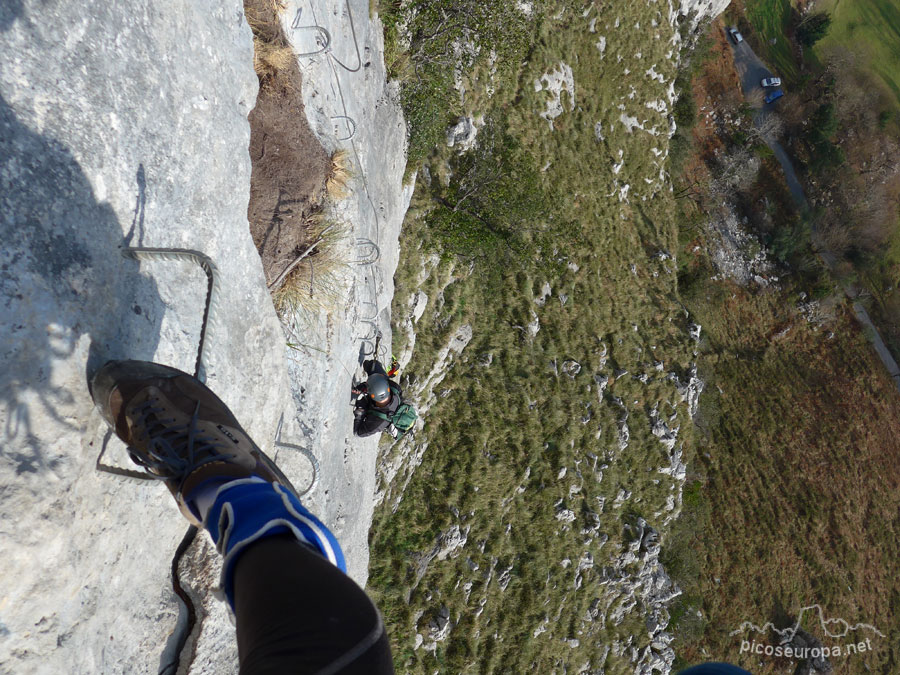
point(339, 175)
point(400, 67)
point(256, 22)
point(263, 21)
point(270, 58)
point(756, 98)
point(315, 282)
point(834, 237)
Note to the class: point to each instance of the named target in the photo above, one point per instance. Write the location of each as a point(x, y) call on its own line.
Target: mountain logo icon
point(833, 628)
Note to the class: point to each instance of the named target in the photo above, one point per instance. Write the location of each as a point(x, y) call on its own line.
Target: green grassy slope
point(513, 446)
point(871, 29)
point(793, 475)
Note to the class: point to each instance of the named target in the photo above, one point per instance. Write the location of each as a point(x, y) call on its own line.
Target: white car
point(771, 82)
point(737, 37)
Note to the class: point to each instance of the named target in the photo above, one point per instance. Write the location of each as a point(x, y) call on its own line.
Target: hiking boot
point(177, 429)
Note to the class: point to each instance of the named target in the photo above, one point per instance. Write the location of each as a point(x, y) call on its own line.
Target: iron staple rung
point(210, 313)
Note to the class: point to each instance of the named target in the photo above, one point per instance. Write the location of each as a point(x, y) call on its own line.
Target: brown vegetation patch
point(804, 481)
point(767, 198)
point(792, 498)
point(716, 88)
point(290, 167)
point(849, 159)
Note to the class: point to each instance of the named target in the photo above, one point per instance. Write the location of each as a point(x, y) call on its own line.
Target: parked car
point(771, 82)
point(773, 96)
point(737, 37)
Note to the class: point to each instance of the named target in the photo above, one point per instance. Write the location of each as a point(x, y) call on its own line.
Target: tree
point(813, 28)
point(685, 109)
point(791, 240)
point(735, 171)
point(823, 123)
point(826, 156)
point(768, 127)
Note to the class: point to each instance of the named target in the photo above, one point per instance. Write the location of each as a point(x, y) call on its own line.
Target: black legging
point(298, 613)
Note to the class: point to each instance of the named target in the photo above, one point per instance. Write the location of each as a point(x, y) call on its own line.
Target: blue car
point(774, 96)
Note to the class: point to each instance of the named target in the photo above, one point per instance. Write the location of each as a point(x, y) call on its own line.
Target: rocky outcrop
point(555, 82)
point(649, 590)
point(462, 135)
point(694, 12)
point(409, 451)
point(121, 125)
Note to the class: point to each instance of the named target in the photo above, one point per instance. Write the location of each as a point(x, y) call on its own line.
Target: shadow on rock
point(67, 296)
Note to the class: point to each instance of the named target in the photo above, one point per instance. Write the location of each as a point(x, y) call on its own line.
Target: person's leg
point(296, 604)
point(296, 610)
point(297, 613)
point(373, 367)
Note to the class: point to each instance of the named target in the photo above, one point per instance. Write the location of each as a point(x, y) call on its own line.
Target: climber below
point(379, 404)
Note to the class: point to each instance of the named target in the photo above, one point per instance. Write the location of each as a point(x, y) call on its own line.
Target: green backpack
point(403, 419)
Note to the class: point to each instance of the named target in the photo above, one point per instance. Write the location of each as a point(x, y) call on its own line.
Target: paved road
point(789, 174)
point(751, 70)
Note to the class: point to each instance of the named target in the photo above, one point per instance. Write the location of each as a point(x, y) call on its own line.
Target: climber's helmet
point(379, 390)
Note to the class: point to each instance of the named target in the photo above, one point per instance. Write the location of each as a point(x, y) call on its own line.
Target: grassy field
point(771, 20)
point(868, 28)
point(796, 488)
point(792, 499)
point(871, 29)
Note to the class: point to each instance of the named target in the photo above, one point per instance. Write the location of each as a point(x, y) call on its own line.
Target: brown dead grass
point(339, 174)
point(715, 88)
point(804, 482)
point(273, 59)
point(714, 84)
point(798, 466)
point(292, 176)
point(400, 67)
point(262, 18)
point(315, 283)
point(269, 58)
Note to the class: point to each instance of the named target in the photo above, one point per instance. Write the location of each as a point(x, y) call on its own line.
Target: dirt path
point(751, 70)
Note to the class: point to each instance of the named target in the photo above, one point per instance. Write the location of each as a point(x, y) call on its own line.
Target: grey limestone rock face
point(698, 10)
point(463, 134)
point(121, 124)
point(349, 106)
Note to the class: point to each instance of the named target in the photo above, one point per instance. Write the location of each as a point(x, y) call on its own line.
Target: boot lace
point(171, 450)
